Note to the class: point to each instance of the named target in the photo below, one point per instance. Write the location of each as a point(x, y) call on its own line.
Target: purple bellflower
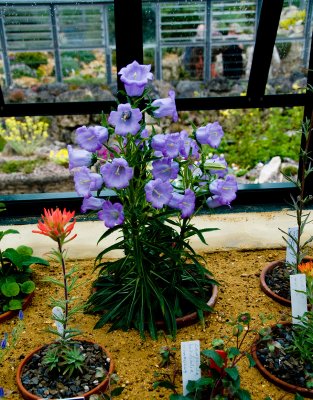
point(219, 160)
point(1, 392)
point(172, 145)
point(125, 119)
point(165, 169)
point(117, 174)
point(166, 107)
point(135, 77)
point(185, 202)
point(111, 214)
point(188, 146)
point(158, 193)
point(91, 203)
point(210, 134)
point(224, 192)
point(78, 158)
point(86, 181)
point(91, 138)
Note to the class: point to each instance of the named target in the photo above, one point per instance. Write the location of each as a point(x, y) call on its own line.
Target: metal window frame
point(129, 46)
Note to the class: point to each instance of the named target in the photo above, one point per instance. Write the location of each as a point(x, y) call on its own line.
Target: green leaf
point(251, 360)
point(165, 384)
point(243, 394)
point(233, 352)
point(28, 287)
point(233, 373)
point(178, 397)
point(8, 232)
point(10, 289)
point(212, 354)
point(24, 250)
point(15, 304)
point(117, 391)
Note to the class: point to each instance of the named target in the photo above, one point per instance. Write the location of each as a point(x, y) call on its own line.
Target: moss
point(24, 166)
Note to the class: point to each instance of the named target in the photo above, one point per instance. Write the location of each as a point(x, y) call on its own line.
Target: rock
point(188, 88)
point(72, 121)
point(271, 171)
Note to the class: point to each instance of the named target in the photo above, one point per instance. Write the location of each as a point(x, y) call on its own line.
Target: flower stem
point(65, 287)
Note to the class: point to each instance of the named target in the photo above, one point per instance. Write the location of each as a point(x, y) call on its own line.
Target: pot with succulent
point(219, 366)
point(284, 352)
point(16, 284)
point(153, 183)
point(67, 367)
point(275, 277)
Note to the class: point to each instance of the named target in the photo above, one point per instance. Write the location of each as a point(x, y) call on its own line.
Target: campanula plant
point(153, 183)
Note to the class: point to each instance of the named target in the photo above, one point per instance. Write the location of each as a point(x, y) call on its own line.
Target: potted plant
point(219, 367)
point(283, 353)
point(274, 278)
point(16, 284)
point(67, 367)
point(153, 183)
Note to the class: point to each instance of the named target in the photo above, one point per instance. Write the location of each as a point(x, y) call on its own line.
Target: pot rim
point(272, 378)
point(30, 396)
point(265, 288)
point(12, 313)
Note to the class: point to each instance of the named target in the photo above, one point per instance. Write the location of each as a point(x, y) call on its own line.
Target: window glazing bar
point(264, 45)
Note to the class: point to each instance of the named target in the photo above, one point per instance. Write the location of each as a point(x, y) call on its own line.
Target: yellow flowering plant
point(24, 136)
point(59, 157)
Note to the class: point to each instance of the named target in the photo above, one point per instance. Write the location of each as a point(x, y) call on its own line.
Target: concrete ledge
point(251, 230)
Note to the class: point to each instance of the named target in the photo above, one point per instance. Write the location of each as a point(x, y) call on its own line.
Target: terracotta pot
point(29, 396)
point(192, 318)
point(268, 268)
point(11, 314)
point(307, 393)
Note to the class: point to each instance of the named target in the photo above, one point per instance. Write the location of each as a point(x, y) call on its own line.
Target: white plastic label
point(291, 249)
point(190, 359)
point(298, 300)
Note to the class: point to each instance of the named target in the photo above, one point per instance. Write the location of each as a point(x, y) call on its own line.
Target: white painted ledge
point(251, 230)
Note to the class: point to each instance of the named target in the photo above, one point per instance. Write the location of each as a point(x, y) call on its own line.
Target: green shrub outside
point(32, 59)
point(82, 55)
point(70, 65)
point(23, 166)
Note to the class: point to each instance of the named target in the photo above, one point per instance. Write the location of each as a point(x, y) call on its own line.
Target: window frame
point(129, 47)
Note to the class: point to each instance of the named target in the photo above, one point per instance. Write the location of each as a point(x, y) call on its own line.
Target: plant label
point(291, 250)
point(298, 296)
point(190, 359)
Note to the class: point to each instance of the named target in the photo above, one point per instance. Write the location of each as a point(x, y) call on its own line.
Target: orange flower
point(306, 268)
point(54, 223)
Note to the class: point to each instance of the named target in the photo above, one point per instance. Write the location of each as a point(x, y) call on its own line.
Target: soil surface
point(136, 360)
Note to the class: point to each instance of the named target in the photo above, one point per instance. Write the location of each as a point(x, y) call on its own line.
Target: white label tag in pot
point(291, 249)
point(298, 300)
point(190, 359)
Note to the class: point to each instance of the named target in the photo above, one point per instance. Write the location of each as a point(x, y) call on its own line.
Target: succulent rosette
point(149, 184)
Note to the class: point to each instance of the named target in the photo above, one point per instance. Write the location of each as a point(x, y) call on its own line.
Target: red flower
point(53, 224)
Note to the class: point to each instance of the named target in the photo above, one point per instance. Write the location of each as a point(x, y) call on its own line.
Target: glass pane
point(58, 53)
point(291, 52)
point(200, 47)
point(258, 144)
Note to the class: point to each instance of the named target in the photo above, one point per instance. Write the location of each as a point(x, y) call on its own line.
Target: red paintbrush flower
point(53, 224)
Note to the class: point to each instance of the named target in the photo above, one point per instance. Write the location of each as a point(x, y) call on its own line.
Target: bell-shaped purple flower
point(117, 174)
point(166, 107)
point(78, 158)
point(218, 160)
point(165, 169)
point(86, 181)
point(91, 138)
point(224, 192)
point(185, 202)
point(3, 343)
point(158, 142)
point(125, 119)
point(91, 203)
point(158, 193)
point(172, 145)
point(210, 134)
point(111, 214)
point(135, 77)
point(188, 146)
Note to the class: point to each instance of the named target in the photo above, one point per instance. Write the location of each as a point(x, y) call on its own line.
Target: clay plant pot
point(11, 314)
point(307, 393)
point(267, 290)
point(192, 318)
point(100, 388)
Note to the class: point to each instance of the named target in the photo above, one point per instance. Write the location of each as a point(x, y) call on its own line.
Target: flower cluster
point(24, 137)
point(172, 171)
